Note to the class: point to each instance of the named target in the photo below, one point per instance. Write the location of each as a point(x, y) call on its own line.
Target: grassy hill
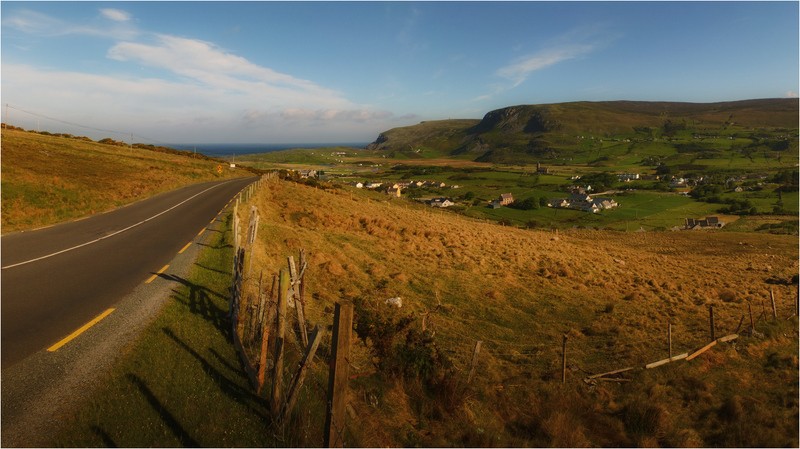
point(48, 179)
point(574, 132)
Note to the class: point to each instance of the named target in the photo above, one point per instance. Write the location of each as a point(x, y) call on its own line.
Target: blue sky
point(286, 72)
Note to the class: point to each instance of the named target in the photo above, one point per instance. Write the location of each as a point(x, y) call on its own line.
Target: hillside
point(519, 291)
point(48, 179)
point(562, 131)
point(460, 280)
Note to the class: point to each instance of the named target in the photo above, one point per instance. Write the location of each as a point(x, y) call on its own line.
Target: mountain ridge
point(522, 132)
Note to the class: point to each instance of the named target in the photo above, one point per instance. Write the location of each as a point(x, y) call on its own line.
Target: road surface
point(56, 280)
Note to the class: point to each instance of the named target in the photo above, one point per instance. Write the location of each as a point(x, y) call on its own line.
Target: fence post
point(774, 310)
point(266, 327)
point(277, 380)
point(711, 322)
point(752, 323)
point(297, 382)
point(474, 363)
point(669, 337)
point(337, 377)
point(564, 360)
point(296, 285)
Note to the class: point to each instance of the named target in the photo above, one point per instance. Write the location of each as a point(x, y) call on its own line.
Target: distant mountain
point(543, 132)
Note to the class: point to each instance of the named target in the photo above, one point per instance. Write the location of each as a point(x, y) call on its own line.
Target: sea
point(222, 150)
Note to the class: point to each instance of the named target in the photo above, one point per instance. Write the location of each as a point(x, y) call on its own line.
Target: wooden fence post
point(669, 338)
point(337, 377)
point(266, 327)
point(752, 323)
point(564, 360)
point(774, 310)
point(277, 380)
point(297, 382)
point(296, 286)
point(711, 322)
point(474, 363)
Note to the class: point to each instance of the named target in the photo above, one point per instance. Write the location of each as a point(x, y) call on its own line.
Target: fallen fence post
point(596, 376)
point(297, 382)
point(701, 350)
point(665, 361)
point(337, 377)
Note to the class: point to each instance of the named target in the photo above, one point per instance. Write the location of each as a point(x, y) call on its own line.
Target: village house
point(704, 223)
point(677, 183)
point(506, 199)
point(541, 170)
point(305, 174)
point(628, 177)
point(394, 191)
point(441, 202)
point(583, 202)
point(374, 185)
point(358, 185)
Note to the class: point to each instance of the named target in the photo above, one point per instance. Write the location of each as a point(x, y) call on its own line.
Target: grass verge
point(180, 383)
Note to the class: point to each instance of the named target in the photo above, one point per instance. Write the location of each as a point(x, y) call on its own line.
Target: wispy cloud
point(116, 15)
point(791, 94)
point(38, 24)
point(519, 70)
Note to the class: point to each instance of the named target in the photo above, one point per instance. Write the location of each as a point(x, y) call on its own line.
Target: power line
point(66, 122)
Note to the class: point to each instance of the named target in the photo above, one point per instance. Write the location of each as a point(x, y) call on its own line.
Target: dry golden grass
point(518, 291)
point(50, 179)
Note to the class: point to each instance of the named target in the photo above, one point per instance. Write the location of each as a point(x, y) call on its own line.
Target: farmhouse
point(506, 199)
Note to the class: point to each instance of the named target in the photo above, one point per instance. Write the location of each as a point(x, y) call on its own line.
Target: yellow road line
point(153, 277)
point(83, 329)
point(185, 248)
point(201, 232)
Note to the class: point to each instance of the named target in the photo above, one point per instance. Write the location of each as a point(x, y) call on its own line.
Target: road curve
point(56, 279)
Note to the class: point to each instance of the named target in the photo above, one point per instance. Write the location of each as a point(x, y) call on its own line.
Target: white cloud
point(116, 15)
point(219, 70)
point(791, 94)
point(198, 92)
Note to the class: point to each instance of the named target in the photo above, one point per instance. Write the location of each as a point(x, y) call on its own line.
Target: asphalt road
point(57, 279)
